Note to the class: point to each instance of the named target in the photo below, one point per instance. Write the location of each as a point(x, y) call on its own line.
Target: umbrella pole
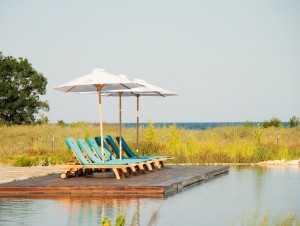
point(137, 121)
point(100, 119)
point(120, 116)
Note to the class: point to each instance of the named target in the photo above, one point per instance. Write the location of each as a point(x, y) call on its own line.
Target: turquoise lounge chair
point(95, 156)
point(106, 149)
point(118, 169)
point(110, 141)
point(114, 147)
point(95, 143)
point(131, 154)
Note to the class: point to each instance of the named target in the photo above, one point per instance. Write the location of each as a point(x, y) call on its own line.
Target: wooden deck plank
point(168, 180)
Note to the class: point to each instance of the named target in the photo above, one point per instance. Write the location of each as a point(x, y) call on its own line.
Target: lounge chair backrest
point(98, 151)
point(127, 149)
point(86, 148)
point(113, 145)
point(98, 141)
point(72, 145)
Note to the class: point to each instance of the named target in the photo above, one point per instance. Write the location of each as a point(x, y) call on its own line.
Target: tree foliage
point(294, 121)
point(20, 90)
point(275, 122)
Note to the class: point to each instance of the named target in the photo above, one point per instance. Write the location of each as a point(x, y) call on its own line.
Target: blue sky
point(228, 60)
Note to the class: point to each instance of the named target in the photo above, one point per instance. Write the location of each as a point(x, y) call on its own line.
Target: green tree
point(20, 90)
point(294, 121)
point(275, 122)
point(61, 123)
point(43, 120)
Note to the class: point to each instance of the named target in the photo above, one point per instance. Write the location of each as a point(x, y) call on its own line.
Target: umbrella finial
point(139, 81)
point(122, 76)
point(98, 70)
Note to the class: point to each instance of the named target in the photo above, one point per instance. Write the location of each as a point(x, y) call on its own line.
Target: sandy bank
point(292, 163)
point(8, 174)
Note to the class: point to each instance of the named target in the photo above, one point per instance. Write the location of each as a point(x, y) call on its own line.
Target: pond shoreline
point(295, 163)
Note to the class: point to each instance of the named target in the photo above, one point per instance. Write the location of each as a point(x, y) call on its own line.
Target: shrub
point(273, 122)
point(294, 121)
point(43, 120)
point(25, 161)
point(150, 133)
point(248, 124)
point(61, 123)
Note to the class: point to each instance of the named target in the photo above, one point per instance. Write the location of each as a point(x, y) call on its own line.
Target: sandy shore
point(292, 163)
point(8, 174)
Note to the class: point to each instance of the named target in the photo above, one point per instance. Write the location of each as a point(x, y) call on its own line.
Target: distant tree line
point(275, 122)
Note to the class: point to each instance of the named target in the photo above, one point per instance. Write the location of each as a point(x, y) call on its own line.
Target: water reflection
point(226, 200)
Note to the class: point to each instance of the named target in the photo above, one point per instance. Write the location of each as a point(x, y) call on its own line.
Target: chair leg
point(153, 166)
point(160, 164)
point(122, 174)
point(139, 169)
point(80, 173)
point(146, 168)
point(126, 171)
point(133, 169)
point(149, 166)
point(117, 173)
point(142, 168)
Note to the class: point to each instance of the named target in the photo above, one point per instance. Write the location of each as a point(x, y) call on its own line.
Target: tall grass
point(32, 145)
point(267, 219)
point(226, 144)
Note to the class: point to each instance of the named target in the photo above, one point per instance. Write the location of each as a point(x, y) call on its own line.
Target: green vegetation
point(294, 121)
point(290, 219)
point(121, 220)
point(27, 145)
point(275, 122)
point(61, 123)
point(20, 87)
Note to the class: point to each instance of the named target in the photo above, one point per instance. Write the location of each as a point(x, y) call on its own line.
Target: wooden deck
point(159, 183)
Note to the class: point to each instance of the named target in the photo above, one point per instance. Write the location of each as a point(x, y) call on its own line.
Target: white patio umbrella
point(97, 81)
point(145, 89)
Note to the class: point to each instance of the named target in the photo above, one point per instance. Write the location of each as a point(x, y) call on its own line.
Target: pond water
point(230, 199)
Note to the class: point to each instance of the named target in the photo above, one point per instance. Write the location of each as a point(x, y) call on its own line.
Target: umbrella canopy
point(145, 89)
point(97, 81)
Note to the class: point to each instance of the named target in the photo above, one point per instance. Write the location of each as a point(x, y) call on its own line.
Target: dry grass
point(33, 144)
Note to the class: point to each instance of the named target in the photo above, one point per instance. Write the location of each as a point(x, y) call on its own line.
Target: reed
point(289, 219)
point(33, 145)
point(265, 219)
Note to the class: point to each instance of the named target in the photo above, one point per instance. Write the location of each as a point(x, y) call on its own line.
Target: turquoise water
point(230, 199)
